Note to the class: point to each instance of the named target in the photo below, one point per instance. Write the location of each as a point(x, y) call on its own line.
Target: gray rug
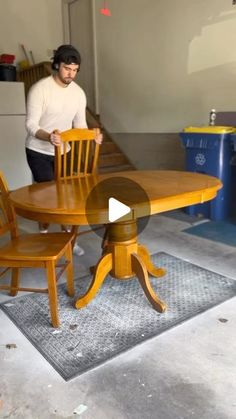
point(120, 316)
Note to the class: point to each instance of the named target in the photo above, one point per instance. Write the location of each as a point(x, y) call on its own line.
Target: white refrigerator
point(13, 161)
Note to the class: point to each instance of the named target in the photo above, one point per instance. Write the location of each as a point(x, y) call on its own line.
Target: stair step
point(110, 169)
point(107, 139)
point(111, 159)
point(108, 147)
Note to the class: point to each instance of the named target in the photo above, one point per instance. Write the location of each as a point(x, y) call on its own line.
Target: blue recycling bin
point(233, 177)
point(209, 150)
point(233, 139)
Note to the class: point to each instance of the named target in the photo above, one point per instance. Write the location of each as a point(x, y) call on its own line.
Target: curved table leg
point(152, 269)
point(140, 270)
point(103, 267)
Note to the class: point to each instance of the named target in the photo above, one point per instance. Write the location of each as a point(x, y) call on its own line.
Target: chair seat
point(30, 246)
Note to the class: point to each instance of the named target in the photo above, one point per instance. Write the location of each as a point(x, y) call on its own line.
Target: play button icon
point(116, 199)
point(117, 209)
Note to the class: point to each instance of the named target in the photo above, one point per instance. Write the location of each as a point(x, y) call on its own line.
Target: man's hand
point(55, 138)
point(99, 138)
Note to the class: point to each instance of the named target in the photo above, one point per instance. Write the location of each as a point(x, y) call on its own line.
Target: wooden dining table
point(64, 202)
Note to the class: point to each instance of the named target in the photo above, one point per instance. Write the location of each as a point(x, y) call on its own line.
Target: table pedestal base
point(124, 258)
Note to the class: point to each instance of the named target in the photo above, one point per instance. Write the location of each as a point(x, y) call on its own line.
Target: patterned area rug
point(119, 317)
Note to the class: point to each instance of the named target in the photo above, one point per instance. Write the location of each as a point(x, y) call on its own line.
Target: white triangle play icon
point(116, 209)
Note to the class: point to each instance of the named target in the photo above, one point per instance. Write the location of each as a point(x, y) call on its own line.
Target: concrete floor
point(187, 372)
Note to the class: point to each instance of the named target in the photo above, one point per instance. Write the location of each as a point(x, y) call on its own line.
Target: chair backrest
point(83, 157)
point(7, 213)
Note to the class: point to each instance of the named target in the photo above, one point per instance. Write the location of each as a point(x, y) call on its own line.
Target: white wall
point(163, 64)
point(37, 24)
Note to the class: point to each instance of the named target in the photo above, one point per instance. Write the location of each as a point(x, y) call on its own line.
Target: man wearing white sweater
point(54, 104)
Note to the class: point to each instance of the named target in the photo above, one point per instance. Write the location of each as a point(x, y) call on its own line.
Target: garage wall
point(163, 64)
point(37, 24)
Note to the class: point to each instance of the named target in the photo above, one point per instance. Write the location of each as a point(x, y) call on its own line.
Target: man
point(54, 104)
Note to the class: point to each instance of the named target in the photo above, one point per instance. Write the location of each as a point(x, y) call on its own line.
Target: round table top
point(65, 201)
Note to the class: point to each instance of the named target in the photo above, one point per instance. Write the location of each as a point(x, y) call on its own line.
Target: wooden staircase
point(111, 158)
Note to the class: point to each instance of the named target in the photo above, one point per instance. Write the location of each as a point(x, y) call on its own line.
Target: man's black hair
point(66, 54)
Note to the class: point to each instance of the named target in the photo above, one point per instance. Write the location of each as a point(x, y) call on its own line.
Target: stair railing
point(33, 73)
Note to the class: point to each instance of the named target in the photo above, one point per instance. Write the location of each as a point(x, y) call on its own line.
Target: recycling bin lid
point(211, 129)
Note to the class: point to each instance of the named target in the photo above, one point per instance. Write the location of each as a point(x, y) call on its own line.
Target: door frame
point(67, 39)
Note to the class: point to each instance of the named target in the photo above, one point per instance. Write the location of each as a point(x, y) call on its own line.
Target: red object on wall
point(105, 11)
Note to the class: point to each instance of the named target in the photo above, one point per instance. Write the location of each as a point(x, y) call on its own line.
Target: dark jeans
point(41, 165)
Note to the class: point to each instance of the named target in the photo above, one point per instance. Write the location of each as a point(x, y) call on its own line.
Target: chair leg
point(52, 293)
point(69, 272)
point(15, 276)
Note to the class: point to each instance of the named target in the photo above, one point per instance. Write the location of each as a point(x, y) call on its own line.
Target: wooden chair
point(83, 157)
point(33, 251)
point(81, 161)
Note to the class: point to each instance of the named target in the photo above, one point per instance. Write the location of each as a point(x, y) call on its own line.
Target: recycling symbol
point(200, 159)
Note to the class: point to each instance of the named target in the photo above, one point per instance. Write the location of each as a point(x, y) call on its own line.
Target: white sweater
point(51, 107)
